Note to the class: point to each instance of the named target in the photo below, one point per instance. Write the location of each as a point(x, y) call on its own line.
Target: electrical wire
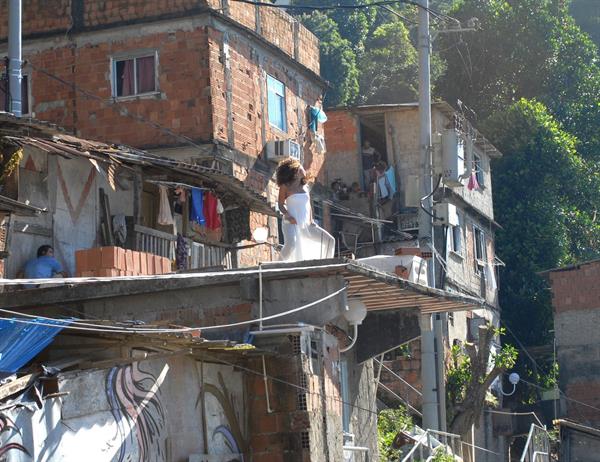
point(135, 330)
point(123, 110)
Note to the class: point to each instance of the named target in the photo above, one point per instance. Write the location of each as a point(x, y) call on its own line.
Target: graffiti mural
point(134, 398)
point(231, 429)
point(9, 430)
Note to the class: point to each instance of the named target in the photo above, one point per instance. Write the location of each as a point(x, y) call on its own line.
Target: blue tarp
point(21, 339)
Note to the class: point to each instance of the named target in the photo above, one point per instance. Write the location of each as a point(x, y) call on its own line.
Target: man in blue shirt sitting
point(45, 266)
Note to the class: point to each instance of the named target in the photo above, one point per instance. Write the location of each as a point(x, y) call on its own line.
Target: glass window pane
point(124, 78)
point(276, 103)
point(146, 74)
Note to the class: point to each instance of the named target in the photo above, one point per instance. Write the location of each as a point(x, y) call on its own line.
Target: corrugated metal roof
point(20, 342)
point(48, 138)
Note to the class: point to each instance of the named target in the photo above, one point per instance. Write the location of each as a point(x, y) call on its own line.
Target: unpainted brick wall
point(576, 289)
point(179, 105)
point(45, 17)
point(342, 133)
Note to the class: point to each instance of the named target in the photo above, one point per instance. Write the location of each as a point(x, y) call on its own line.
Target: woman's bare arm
point(283, 194)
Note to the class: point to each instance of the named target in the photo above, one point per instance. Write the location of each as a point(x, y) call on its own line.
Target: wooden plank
point(17, 385)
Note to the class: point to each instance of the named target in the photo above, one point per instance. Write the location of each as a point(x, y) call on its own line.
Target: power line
point(359, 6)
point(77, 325)
point(115, 105)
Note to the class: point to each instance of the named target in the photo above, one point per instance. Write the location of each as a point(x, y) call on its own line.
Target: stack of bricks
point(115, 261)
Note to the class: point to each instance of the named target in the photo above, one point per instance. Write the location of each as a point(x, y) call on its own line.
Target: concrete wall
point(69, 189)
point(576, 303)
point(148, 411)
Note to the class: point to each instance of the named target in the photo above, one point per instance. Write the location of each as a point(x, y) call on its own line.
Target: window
point(480, 251)
point(456, 237)
point(134, 76)
point(477, 166)
point(5, 105)
point(276, 103)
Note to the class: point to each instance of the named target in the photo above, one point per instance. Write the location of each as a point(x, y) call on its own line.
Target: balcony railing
point(200, 255)
point(154, 241)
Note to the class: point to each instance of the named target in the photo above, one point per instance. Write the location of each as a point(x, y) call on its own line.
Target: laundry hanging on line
point(210, 209)
point(197, 207)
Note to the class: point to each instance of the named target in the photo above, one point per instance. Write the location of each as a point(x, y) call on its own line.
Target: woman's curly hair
point(287, 171)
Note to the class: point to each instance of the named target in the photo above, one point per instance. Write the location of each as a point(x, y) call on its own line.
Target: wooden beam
point(17, 385)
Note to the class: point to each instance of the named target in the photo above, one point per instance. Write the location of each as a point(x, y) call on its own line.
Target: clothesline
point(176, 184)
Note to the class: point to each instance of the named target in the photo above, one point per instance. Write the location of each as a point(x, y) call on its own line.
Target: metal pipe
point(14, 56)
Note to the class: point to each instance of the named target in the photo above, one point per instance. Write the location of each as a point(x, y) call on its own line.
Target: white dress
point(304, 240)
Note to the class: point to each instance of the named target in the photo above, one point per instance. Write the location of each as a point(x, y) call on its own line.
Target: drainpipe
point(14, 56)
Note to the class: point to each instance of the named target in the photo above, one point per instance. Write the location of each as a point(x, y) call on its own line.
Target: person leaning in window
point(45, 266)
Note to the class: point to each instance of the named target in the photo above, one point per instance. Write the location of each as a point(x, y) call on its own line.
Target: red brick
point(94, 258)
point(110, 257)
point(129, 267)
point(81, 261)
point(136, 262)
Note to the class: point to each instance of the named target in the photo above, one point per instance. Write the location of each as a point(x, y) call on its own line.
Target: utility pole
point(428, 357)
point(14, 56)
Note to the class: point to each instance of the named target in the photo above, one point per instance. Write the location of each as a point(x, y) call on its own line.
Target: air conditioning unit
point(447, 214)
point(279, 150)
point(453, 153)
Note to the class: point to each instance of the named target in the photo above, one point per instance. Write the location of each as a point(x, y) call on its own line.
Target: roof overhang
point(378, 290)
point(18, 208)
point(52, 140)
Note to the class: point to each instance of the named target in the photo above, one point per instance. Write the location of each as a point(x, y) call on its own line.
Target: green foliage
point(458, 375)
point(338, 60)
point(587, 14)
point(390, 422)
point(389, 69)
point(548, 225)
point(442, 456)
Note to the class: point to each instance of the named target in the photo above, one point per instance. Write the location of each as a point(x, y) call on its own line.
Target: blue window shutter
point(276, 103)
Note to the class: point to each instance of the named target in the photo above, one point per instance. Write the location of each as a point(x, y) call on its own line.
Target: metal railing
point(431, 443)
point(537, 447)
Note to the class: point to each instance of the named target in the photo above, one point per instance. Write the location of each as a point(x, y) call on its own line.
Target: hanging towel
point(197, 206)
point(385, 190)
point(490, 277)
point(473, 184)
point(213, 220)
point(317, 116)
point(391, 180)
point(165, 217)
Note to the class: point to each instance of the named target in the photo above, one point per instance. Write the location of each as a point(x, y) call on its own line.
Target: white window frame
point(133, 56)
point(482, 244)
point(282, 100)
point(457, 237)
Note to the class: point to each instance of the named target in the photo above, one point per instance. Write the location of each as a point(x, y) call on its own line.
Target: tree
point(389, 69)
point(546, 226)
point(469, 379)
point(338, 60)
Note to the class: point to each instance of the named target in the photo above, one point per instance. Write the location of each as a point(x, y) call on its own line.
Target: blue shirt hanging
point(196, 207)
point(317, 116)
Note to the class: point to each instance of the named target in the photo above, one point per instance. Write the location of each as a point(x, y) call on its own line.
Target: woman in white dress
point(303, 238)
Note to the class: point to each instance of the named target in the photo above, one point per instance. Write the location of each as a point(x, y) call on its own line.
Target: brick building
point(576, 304)
point(576, 309)
point(464, 227)
point(210, 82)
